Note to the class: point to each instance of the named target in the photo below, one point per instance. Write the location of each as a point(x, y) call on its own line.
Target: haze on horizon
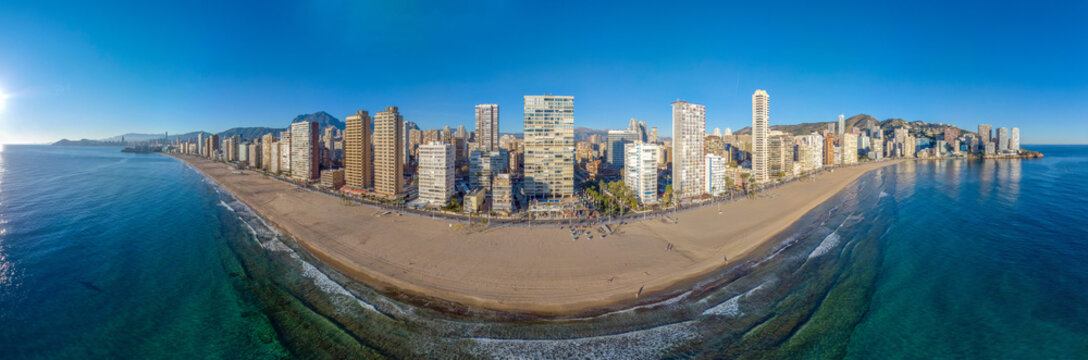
point(94, 70)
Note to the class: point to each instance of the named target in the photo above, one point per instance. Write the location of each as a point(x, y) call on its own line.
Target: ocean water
point(111, 255)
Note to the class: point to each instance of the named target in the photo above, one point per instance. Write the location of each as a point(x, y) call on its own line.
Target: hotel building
point(436, 181)
point(487, 127)
point(549, 146)
point(688, 129)
point(388, 154)
point(760, 132)
point(305, 150)
point(640, 173)
point(358, 162)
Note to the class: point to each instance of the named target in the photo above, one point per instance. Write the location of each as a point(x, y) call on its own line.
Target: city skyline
point(123, 80)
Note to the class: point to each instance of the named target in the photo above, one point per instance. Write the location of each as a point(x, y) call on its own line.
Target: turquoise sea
point(105, 254)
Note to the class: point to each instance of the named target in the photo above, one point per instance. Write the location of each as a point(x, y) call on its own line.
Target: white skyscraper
point(487, 127)
point(714, 166)
point(549, 146)
point(760, 131)
point(436, 163)
point(305, 151)
point(640, 171)
point(1014, 139)
point(1002, 139)
point(688, 130)
point(842, 124)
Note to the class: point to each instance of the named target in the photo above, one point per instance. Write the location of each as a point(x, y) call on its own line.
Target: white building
point(640, 171)
point(305, 151)
point(549, 146)
point(436, 164)
point(760, 131)
point(285, 152)
point(714, 166)
point(1014, 140)
point(485, 165)
point(688, 131)
point(849, 147)
point(1002, 139)
point(487, 127)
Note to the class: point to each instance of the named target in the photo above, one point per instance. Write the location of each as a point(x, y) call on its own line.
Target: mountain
point(859, 121)
point(583, 133)
point(85, 142)
point(249, 133)
point(322, 118)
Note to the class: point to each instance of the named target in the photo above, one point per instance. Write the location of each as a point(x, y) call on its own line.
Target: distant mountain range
point(859, 121)
point(322, 118)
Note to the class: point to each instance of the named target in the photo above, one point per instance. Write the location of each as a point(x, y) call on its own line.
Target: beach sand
point(540, 271)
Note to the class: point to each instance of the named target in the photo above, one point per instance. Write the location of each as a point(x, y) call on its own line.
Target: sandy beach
point(539, 270)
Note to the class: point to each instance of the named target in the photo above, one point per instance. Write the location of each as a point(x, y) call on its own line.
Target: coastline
point(538, 271)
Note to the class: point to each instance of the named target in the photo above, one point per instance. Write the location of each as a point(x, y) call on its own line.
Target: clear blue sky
point(96, 69)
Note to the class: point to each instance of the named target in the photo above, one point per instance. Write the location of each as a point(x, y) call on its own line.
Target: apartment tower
point(688, 130)
point(388, 153)
point(358, 162)
point(549, 146)
point(487, 127)
point(305, 151)
point(760, 131)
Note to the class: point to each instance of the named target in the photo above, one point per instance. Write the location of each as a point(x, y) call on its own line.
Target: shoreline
point(533, 273)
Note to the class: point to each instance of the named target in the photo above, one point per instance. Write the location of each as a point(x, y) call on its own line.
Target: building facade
point(760, 132)
point(358, 159)
point(640, 173)
point(388, 153)
point(305, 150)
point(487, 127)
point(436, 180)
point(688, 129)
point(549, 146)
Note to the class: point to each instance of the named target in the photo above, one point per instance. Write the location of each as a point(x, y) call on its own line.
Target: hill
point(323, 120)
point(858, 121)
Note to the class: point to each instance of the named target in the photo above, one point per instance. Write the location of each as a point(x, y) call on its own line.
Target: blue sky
point(94, 69)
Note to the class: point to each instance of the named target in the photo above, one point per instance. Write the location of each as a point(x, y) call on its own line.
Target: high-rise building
point(1014, 139)
point(388, 154)
point(984, 134)
point(305, 150)
point(842, 124)
point(267, 156)
point(714, 167)
point(688, 130)
point(358, 159)
point(485, 165)
point(1002, 139)
point(461, 133)
point(780, 154)
point(436, 164)
point(200, 143)
point(829, 149)
point(653, 135)
point(849, 150)
point(617, 142)
point(487, 127)
point(273, 158)
point(640, 172)
point(254, 153)
point(328, 143)
point(285, 152)
point(549, 146)
point(760, 132)
point(503, 194)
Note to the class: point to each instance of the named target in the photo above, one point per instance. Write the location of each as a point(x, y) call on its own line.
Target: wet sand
point(539, 270)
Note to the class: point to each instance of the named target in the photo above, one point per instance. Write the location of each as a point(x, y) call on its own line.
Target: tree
point(666, 198)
